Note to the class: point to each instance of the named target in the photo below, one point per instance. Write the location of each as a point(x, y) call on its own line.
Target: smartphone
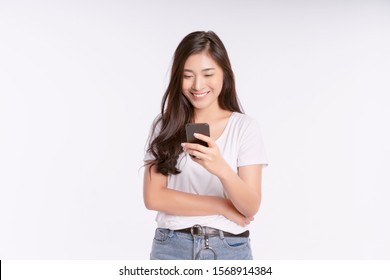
point(201, 128)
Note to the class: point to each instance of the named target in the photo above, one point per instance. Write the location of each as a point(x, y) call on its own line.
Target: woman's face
point(202, 81)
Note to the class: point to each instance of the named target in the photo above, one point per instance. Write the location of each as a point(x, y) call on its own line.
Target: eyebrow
point(203, 70)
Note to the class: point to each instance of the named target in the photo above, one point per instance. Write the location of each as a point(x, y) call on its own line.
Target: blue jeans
point(173, 245)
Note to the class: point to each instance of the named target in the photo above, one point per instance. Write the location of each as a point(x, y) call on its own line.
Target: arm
point(160, 198)
point(243, 188)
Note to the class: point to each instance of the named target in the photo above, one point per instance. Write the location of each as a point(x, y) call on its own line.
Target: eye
point(187, 77)
point(208, 75)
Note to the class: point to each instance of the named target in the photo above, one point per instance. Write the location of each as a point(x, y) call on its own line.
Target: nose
point(197, 85)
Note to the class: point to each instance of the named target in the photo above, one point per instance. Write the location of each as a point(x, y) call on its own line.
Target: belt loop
point(206, 240)
point(221, 235)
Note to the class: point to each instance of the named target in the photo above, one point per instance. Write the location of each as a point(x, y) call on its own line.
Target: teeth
point(200, 95)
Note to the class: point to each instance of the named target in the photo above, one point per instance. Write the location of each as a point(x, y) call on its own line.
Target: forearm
point(184, 204)
point(244, 196)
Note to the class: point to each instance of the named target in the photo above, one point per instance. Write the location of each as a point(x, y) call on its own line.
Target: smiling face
point(202, 81)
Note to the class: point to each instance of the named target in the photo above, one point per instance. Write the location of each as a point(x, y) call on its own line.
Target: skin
point(202, 84)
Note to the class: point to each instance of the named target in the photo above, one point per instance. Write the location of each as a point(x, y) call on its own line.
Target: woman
point(205, 196)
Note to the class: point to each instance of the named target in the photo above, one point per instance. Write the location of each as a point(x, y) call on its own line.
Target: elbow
point(153, 189)
point(252, 211)
point(153, 201)
point(150, 203)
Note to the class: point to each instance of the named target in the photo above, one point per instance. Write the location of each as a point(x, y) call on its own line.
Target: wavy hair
point(176, 110)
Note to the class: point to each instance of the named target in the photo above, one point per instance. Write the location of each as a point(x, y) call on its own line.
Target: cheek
point(185, 85)
point(217, 84)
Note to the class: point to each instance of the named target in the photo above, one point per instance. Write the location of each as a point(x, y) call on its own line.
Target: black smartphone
point(201, 128)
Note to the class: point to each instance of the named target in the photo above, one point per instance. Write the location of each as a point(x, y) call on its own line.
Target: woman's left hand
point(209, 157)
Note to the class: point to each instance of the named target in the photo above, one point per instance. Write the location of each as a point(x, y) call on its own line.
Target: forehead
point(200, 61)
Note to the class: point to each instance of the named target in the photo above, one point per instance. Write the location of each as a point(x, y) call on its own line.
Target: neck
point(207, 116)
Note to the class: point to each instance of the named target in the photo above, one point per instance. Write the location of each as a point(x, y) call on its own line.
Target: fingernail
point(196, 134)
point(183, 145)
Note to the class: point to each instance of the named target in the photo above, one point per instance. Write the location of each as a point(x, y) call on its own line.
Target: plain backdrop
point(81, 82)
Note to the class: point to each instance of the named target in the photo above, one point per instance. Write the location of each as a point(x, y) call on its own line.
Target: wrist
point(224, 172)
point(222, 206)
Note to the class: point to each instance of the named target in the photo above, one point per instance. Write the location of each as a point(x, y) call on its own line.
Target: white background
point(81, 82)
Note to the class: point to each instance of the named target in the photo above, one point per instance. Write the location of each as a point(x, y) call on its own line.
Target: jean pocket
point(161, 234)
point(236, 242)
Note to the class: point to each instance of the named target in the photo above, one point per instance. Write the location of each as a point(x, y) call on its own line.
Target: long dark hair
point(176, 110)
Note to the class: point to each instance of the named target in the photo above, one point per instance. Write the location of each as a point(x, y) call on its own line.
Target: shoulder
point(157, 123)
point(245, 127)
point(243, 121)
point(242, 117)
point(250, 141)
point(155, 127)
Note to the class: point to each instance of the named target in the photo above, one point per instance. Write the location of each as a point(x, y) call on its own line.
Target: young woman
point(205, 196)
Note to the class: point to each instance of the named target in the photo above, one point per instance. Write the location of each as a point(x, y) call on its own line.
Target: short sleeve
point(152, 134)
point(251, 150)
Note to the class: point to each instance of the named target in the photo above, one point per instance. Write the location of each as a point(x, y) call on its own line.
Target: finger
point(196, 155)
point(205, 138)
point(246, 222)
point(194, 146)
point(187, 149)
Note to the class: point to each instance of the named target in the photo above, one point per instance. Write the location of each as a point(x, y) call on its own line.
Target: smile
point(200, 94)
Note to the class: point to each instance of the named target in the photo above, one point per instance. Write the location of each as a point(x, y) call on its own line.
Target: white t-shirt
point(240, 144)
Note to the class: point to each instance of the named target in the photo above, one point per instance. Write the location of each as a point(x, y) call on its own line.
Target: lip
point(199, 94)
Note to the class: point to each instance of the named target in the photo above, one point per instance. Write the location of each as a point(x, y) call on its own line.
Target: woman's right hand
point(230, 212)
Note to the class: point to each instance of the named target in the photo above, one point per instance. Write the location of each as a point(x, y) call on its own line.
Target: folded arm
point(160, 198)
